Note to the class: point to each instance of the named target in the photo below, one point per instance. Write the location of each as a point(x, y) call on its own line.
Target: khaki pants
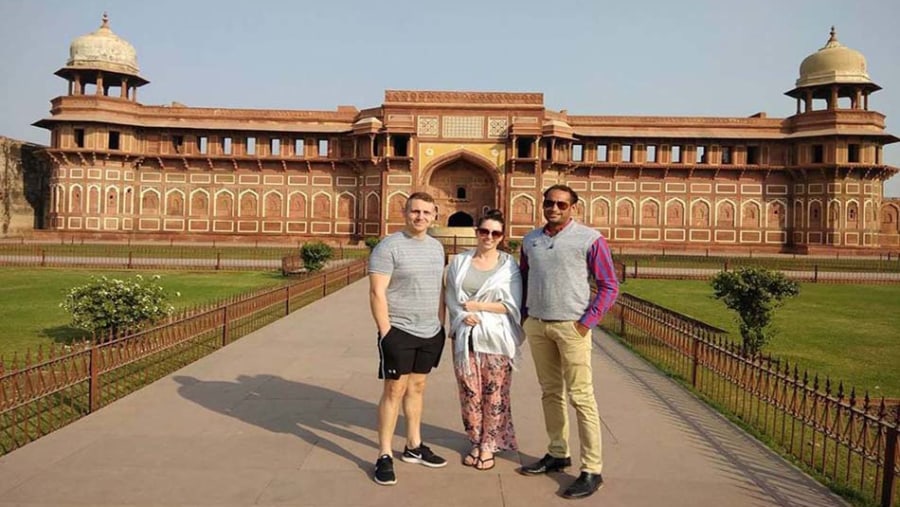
point(562, 358)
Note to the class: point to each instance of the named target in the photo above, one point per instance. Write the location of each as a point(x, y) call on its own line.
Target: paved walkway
point(286, 416)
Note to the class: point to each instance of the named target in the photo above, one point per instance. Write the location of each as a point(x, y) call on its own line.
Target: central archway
point(460, 219)
point(464, 186)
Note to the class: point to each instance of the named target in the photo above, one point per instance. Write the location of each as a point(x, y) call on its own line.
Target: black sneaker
point(384, 471)
point(423, 455)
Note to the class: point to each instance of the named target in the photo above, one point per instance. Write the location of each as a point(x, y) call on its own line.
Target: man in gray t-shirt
point(406, 297)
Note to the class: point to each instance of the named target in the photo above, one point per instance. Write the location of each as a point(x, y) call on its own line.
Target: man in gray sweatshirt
point(558, 262)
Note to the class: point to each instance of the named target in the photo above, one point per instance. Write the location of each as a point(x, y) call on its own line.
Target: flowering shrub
point(110, 305)
point(315, 254)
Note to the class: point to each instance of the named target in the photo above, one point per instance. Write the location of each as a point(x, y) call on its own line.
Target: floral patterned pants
point(484, 398)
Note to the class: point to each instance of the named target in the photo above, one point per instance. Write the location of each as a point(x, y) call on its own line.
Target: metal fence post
point(94, 382)
point(635, 275)
point(324, 284)
point(890, 458)
point(695, 360)
point(218, 261)
point(287, 300)
point(225, 324)
point(43, 257)
point(815, 273)
point(129, 259)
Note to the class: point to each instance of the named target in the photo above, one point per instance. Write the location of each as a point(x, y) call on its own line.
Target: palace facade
point(812, 181)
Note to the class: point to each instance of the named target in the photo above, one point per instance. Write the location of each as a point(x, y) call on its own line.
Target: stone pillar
point(809, 101)
point(388, 149)
point(78, 88)
point(866, 101)
point(833, 98)
point(798, 105)
point(134, 94)
point(857, 99)
point(99, 83)
point(124, 91)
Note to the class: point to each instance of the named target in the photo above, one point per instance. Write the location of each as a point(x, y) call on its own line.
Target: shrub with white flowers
point(110, 305)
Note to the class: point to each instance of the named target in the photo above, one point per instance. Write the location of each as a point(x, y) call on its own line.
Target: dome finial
point(832, 39)
point(105, 19)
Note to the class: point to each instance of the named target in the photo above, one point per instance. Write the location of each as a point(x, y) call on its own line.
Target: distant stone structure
point(809, 182)
point(24, 187)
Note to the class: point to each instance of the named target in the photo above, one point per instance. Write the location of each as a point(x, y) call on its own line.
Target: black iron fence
point(161, 255)
point(46, 390)
point(843, 436)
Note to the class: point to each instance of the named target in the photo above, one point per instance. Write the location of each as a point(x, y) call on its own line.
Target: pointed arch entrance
point(464, 185)
point(461, 219)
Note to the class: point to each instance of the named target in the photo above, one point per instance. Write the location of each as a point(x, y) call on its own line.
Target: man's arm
point(603, 271)
point(378, 284)
point(523, 269)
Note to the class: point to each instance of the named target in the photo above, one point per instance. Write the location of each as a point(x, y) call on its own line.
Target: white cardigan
point(497, 333)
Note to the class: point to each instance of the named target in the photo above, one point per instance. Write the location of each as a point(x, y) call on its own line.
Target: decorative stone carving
point(463, 127)
point(432, 97)
point(498, 127)
point(427, 126)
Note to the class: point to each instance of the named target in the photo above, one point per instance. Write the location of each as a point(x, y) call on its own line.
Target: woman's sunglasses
point(487, 232)
point(562, 205)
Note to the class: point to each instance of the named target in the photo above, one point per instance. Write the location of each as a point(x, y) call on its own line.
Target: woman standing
point(484, 298)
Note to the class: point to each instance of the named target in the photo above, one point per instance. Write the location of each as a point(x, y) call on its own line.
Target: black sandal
point(475, 455)
point(481, 464)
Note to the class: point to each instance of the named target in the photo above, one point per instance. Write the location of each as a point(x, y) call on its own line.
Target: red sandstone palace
point(812, 181)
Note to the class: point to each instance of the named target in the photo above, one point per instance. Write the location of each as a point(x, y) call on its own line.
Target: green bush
point(315, 254)
point(753, 293)
point(513, 245)
point(111, 305)
point(371, 242)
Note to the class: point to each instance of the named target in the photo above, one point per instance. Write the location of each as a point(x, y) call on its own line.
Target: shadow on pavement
point(316, 414)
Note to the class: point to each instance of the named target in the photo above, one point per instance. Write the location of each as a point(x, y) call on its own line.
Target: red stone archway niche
point(462, 182)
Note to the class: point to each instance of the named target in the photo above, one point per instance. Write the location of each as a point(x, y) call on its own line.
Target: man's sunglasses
point(562, 205)
point(487, 232)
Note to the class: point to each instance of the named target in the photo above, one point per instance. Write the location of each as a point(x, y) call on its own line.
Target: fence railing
point(844, 436)
point(52, 390)
point(155, 256)
point(813, 270)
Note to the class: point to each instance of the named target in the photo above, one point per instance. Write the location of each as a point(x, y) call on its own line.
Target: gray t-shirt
point(416, 268)
point(475, 278)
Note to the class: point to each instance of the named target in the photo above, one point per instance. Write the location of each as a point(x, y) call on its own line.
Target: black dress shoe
point(546, 464)
point(584, 486)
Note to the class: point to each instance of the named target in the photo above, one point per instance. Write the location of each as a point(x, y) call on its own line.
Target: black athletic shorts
point(401, 353)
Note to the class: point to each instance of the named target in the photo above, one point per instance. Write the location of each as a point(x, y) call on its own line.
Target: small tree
point(372, 242)
point(315, 254)
point(110, 305)
point(754, 293)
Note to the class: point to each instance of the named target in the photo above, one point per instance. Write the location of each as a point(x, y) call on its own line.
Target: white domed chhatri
point(103, 50)
point(833, 64)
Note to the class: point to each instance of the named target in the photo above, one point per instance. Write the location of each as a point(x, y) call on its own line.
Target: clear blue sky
point(663, 57)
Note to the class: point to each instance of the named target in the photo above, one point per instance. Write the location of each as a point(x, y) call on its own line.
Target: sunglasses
point(562, 205)
point(487, 232)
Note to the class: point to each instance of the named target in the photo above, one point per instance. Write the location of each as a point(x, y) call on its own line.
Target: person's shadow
point(297, 408)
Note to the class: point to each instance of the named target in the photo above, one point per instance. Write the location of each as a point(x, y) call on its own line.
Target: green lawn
point(846, 332)
point(29, 299)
